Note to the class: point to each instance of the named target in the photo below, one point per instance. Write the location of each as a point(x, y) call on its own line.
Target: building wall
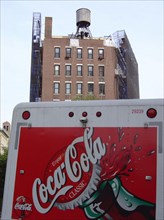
point(132, 71)
point(120, 67)
point(4, 139)
point(6, 127)
point(4, 136)
point(48, 77)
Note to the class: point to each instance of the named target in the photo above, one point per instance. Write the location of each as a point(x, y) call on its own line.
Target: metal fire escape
point(122, 65)
point(36, 59)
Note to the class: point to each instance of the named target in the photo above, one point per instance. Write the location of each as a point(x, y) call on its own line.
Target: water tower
point(83, 22)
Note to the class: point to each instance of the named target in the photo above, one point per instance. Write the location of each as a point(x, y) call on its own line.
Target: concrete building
point(4, 136)
point(79, 66)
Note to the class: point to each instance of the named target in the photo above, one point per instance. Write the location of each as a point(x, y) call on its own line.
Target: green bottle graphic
point(112, 192)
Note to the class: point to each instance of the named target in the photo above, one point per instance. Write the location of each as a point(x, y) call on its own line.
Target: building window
point(57, 52)
point(90, 70)
point(101, 71)
point(68, 53)
point(79, 70)
point(79, 53)
point(68, 88)
point(90, 53)
point(56, 88)
point(56, 70)
point(68, 70)
point(101, 54)
point(102, 89)
point(90, 88)
point(79, 87)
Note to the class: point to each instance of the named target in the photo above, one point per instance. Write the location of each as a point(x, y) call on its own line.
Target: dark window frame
point(57, 52)
point(56, 88)
point(79, 88)
point(90, 72)
point(79, 72)
point(101, 88)
point(67, 89)
point(101, 71)
point(68, 52)
point(56, 72)
point(79, 53)
point(90, 88)
point(101, 54)
point(90, 53)
point(68, 71)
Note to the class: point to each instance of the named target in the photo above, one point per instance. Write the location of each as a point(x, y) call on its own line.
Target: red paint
point(130, 156)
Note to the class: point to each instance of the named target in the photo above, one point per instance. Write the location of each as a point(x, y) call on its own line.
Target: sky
point(141, 20)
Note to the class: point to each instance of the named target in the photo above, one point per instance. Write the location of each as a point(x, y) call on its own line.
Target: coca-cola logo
point(71, 175)
point(23, 207)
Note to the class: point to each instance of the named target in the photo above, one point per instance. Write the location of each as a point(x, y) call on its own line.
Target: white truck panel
point(122, 116)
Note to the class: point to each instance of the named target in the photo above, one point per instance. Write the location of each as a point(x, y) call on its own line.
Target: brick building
point(81, 66)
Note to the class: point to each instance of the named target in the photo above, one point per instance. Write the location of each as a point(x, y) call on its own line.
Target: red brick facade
point(77, 68)
point(103, 67)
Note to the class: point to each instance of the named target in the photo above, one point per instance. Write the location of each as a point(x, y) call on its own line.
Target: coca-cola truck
point(86, 160)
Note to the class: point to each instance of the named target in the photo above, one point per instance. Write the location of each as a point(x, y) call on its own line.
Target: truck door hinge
point(84, 121)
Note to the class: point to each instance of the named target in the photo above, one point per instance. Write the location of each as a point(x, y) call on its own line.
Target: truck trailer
point(81, 160)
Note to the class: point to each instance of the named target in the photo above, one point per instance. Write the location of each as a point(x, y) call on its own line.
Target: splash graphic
point(123, 158)
point(93, 173)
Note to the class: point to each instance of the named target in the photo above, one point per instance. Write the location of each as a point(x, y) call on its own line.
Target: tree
point(3, 162)
point(88, 97)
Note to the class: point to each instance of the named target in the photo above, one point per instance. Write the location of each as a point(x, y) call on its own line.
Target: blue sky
point(142, 21)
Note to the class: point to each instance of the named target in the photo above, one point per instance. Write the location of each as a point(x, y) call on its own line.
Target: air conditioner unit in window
point(116, 72)
point(67, 56)
point(101, 56)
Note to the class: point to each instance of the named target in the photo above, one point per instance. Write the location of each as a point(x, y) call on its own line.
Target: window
point(68, 70)
point(56, 70)
point(102, 89)
point(79, 53)
point(90, 88)
point(57, 52)
point(68, 53)
point(90, 53)
point(90, 70)
point(68, 88)
point(56, 87)
point(79, 87)
point(101, 71)
point(79, 70)
point(101, 54)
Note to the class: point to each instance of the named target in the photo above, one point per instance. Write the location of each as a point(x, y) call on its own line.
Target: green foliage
point(3, 162)
point(3, 157)
point(88, 97)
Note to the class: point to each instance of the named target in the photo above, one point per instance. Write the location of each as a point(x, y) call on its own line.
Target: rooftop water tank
point(83, 17)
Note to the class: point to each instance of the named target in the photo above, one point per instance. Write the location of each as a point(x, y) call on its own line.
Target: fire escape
point(121, 71)
point(36, 60)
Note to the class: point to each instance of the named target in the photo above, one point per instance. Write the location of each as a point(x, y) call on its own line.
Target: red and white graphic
point(23, 207)
point(71, 176)
point(70, 168)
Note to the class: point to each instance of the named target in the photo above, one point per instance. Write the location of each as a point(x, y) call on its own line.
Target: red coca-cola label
point(70, 169)
point(23, 207)
point(69, 174)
